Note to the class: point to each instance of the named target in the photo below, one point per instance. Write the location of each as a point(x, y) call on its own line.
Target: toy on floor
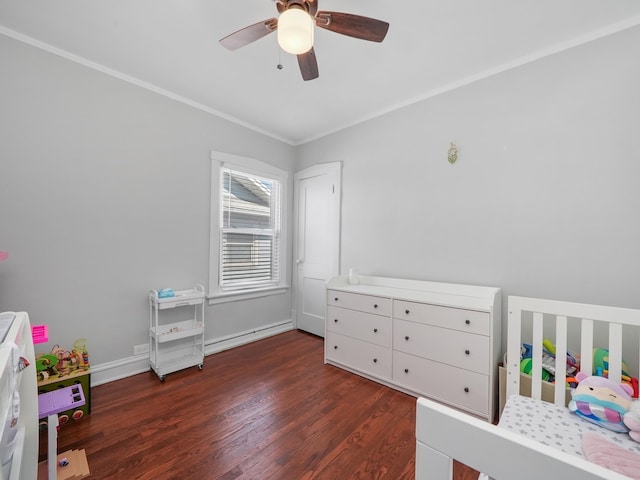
point(526, 366)
point(80, 350)
point(46, 366)
point(572, 360)
point(548, 361)
point(601, 401)
point(600, 365)
point(601, 362)
point(61, 362)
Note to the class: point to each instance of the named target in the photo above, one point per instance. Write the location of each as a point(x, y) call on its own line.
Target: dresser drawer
point(455, 318)
point(356, 301)
point(360, 325)
point(461, 388)
point(460, 349)
point(362, 356)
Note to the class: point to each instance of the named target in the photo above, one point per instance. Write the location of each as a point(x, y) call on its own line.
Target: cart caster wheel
point(200, 366)
point(162, 378)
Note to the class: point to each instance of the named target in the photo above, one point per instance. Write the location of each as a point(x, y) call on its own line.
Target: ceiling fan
point(295, 31)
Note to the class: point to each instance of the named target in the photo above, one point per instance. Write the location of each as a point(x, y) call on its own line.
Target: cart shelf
point(177, 330)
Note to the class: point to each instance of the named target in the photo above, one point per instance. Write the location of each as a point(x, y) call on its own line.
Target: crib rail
point(558, 313)
point(444, 434)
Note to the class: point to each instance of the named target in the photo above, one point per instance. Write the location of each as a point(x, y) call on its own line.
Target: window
point(249, 230)
point(246, 227)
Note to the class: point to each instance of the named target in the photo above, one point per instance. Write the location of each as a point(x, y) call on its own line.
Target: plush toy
point(632, 420)
point(601, 401)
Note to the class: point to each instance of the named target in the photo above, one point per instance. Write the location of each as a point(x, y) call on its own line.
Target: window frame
point(252, 166)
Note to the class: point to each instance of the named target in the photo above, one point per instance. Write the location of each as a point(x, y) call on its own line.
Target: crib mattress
point(556, 426)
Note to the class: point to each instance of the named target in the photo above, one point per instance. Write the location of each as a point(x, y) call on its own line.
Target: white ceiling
point(432, 46)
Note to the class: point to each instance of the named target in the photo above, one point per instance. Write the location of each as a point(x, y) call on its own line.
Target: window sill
point(224, 297)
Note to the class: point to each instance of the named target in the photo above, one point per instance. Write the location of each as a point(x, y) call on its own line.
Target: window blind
point(249, 230)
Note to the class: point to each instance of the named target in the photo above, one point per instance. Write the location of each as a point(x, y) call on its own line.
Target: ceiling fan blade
point(308, 65)
point(249, 34)
point(364, 28)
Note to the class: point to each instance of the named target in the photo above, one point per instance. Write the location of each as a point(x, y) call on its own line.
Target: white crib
point(444, 434)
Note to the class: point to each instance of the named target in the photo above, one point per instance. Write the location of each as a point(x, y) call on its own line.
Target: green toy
point(526, 367)
point(601, 362)
point(46, 366)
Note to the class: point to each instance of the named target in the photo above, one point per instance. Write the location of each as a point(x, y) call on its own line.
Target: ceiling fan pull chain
point(279, 66)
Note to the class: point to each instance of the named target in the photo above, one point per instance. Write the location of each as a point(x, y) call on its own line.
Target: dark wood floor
point(267, 410)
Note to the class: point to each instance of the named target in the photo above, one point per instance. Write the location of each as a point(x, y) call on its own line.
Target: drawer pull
point(468, 322)
point(406, 370)
point(375, 360)
point(406, 337)
point(335, 299)
point(375, 330)
point(466, 389)
point(407, 312)
point(335, 320)
point(375, 305)
point(335, 347)
point(467, 352)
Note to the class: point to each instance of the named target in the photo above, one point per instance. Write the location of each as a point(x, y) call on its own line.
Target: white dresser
point(436, 340)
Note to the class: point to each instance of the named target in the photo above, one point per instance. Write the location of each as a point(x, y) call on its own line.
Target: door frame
point(333, 169)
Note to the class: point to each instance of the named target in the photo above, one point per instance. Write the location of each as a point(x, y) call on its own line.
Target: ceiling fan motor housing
point(309, 6)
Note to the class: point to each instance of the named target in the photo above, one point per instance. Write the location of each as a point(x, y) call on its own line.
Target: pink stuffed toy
point(632, 420)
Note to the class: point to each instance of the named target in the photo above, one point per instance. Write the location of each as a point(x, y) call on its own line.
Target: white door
point(317, 243)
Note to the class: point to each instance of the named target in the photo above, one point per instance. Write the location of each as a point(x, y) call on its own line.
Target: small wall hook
point(452, 154)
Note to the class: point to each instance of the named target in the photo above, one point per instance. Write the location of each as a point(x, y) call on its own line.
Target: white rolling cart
point(176, 345)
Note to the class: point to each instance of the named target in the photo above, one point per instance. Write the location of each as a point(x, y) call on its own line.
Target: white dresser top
point(444, 294)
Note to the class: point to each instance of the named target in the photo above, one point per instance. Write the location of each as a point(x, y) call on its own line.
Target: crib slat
point(561, 360)
point(536, 364)
point(586, 347)
point(615, 352)
point(513, 349)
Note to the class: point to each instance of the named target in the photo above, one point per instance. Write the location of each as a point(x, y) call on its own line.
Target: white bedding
point(556, 426)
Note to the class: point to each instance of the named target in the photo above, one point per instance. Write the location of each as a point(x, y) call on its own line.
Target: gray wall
point(104, 195)
point(104, 190)
point(543, 200)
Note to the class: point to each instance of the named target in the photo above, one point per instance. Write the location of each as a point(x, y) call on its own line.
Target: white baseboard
point(126, 367)
point(248, 336)
point(118, 369)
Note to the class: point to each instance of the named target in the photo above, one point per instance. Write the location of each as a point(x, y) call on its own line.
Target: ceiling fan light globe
point(295, 31)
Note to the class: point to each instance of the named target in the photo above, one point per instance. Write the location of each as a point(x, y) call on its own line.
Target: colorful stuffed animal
point(601, 401)
point(632, 420)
